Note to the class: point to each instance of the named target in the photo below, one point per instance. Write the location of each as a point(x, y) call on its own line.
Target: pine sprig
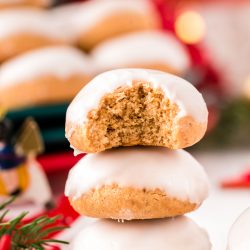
point(33, 235)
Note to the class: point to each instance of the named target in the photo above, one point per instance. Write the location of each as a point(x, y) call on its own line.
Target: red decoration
point(52, 248)
point(242, 181)
point(64, 209)
point(59, 161)
point(5, 242)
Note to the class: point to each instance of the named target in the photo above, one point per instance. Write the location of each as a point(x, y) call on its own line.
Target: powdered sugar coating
point(142, 48)
point(60, 61)
point(179, 91)
point(175, 172)
point(179, 233)
point(29, 21)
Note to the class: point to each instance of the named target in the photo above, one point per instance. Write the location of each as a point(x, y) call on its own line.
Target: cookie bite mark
point(136, 112)
point(136, 115)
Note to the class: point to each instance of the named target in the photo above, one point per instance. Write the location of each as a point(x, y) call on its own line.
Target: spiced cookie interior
point(131, 116)
point(127, 107)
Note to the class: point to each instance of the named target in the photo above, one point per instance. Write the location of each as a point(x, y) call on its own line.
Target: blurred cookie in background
point(24, 29)
point(94, 21)
point(45, 76)
point(16, 3)
point(149, 49)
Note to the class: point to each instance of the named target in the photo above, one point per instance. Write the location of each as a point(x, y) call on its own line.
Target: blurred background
point(50, 49)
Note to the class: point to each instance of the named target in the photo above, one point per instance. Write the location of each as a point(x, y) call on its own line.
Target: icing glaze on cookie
point(81, 17)
point(179, 91)
point(60, 61)
point(179, 233)
point(239, 238)
point(175, 172)
point(29, 20)
point(142, 48)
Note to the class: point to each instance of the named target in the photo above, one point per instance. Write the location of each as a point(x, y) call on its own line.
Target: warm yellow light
point(190, 27)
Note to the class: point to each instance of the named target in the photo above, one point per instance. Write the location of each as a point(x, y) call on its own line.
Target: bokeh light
point(190, 27)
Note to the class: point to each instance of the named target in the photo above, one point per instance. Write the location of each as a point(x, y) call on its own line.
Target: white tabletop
point(223, 206)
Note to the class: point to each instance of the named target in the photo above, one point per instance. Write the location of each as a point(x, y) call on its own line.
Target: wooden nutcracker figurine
point(20, 173)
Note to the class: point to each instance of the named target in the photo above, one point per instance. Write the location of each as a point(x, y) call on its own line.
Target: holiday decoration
point(15, 234)
point(239, 181)
point(20, 173)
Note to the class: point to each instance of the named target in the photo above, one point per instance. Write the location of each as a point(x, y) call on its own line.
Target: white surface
point(143, 235)
point(175, 88)
point(221, 209)
point(175, 172)
point(60, 61)
point(142, 48)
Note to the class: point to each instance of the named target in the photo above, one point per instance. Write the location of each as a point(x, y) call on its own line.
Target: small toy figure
point(20, 173)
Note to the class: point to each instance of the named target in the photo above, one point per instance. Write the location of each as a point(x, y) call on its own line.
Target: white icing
point(239, 235)
point(60, 61)
point(179, 233)
point(29, 20)
point(78, 18)
point(179, 91)
point(142, 48)
point(175, 172)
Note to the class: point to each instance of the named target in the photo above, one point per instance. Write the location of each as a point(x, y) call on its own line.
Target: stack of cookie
point(156, 180)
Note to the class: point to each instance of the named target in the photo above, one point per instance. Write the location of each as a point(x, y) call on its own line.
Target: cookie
point(130, 183)
point(45, 76)
point(147, 49)
point(127, 107)
point(26, 29)
point(238, 238)
point(95, 21)
point(16, 3)
point(179, 233)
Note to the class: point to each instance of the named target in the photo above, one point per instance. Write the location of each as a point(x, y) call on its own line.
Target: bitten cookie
point(26, 29)
point(16, 3)
point(44, 76)
point(94, 21)
point(137, 183)
point(238, 238)
point(127, 107)
point(180, 233)
point(148, 49)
